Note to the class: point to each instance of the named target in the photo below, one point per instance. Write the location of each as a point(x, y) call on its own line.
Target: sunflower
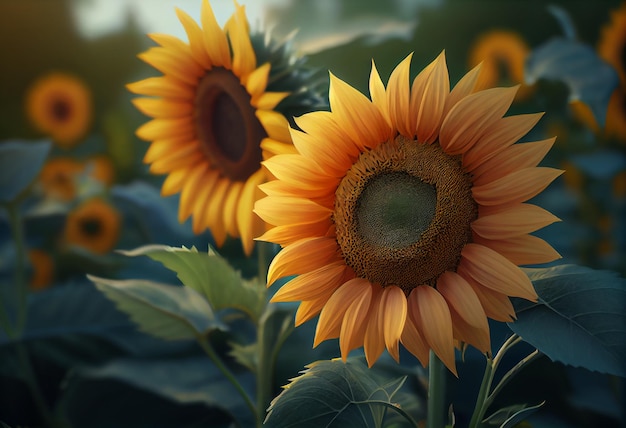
point(503, 54)
point(93, 225)
point(60, 177)
point(59, 105)
point(42, 269)
point(404, 217)
point(214, 121)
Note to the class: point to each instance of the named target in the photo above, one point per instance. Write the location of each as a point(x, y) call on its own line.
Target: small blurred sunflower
point(405, 216)
point(59, 105)
point(94, 225)
point(61, 177)
point(502, 54)
point(216, 118)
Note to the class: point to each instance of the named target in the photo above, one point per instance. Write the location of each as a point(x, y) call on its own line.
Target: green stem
point(509, 375)
point(206, 346)
point(263, 257)
point(436, 393)
point(33, 386)
point(17, 231)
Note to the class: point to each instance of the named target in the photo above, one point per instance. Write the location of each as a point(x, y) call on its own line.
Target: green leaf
point(587, 76)
point(165, 311)
point(20, 163)
point(334, 393)
point(510, 416)
point(579, 318)
point(210, 275)
point(246, 355)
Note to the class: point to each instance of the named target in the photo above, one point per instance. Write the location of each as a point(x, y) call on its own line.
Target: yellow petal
point(155, 107)
point(462, 299)
point(326, 152)
point(312, 285)
point(463, 88)
point(377, 93)
point(288, 234)
point(204, 199)
point(160, 149)
point(196, 39)
point(500, 135)
point(175, 63)
point(374, 341)
point(394, 309)
point(308, 310)
point(213, 213)
point(190, 189)
point(470, 117)
point(353, 326)
point(179, 160)
point(513, 158)
point(301, 257)
point(331, 316)
point(163, 86)
point(356, 114)
point(169, 41)
point(272, 147)
point(516, 187)
point(257, 81)
point(214, 38)
point(429, 93)
point(398, 96)
point(244, 57)
point(174, 182)
point(522, 250)
point(299, 171)
point(160, 129)
point(275, 124)
point(250, 225)
point(494, 271)
point(513, 221)
point(279, 210)
point(432, 319)
point(269, 100)
point(327, 136)
point(232, 209)
point(413, 341)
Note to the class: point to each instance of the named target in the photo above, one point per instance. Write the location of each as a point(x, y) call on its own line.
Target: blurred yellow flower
point(405, 216)
point(59, 105)
point(213, 124)
point(94, 225)
point(42, 266)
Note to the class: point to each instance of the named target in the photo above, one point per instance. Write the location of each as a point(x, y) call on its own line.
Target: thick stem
point(437, 409)
point(206, 346)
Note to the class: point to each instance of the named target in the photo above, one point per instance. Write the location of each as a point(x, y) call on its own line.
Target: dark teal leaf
point(210, 275)
point(186, 381)
point(512, 415)
point(564, 20)
point(579, 318)
point(589, 78)
point(164, 311)
point(20, 163)
point(335, 394)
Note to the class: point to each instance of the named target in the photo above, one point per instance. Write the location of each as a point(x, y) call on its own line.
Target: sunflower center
point(60, 110)
point(394, 209)
point(226, 124)
point(403, 213)
point(91, 227)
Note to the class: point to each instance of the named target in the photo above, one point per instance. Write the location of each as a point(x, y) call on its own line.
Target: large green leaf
point(165, 311)
point(210, 275)
point(336, 394)
point(20, 162)
point(579, 319)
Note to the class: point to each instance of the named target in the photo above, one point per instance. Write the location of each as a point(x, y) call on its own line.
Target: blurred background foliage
point(95, 195)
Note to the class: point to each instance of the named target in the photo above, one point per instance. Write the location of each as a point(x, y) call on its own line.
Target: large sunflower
point(59, 105)
point(405, 216)
point(214, 122)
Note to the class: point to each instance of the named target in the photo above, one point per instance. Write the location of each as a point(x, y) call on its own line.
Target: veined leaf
point(20, 163)
point(164, 311)
point(210, 275)
point(512, 415)
point(579, 319)
point(334, 393)
point(588, 77)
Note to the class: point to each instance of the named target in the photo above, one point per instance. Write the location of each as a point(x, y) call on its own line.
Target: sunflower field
point(331, 213)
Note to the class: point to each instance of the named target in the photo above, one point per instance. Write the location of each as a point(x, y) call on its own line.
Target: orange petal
point(186, 159)
point(428, 98)
point(493, 270)
point(288, 234)
point(174, 182)
point(413, 341)
point(160, 108)
point(308, 309)
point(500, 135)
point(461, 297)
point(496, 305)
point(212, 218)
point(463, 88)
point(468, 120)
point(522, 250)
point(284, 210)
point(160, 129)
point(394, 311)
point(513, 221)
point(374, 342)
point(161, 149)
point(513, 158)
point(432, 319)
point(331, 317)
point(464, 332)
point(301, 172)
point(353, 326)
point(328, 137)
point(312, 285)
point(232, 209)
point(250, 225)
point(377, 93)
point(398, 98)
point(518, 186)
point(301, 257)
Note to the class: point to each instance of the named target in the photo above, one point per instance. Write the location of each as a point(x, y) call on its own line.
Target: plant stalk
point(436, 413)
